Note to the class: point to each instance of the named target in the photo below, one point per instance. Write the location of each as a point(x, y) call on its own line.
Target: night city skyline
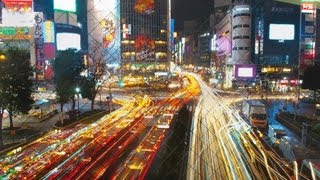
point(145, 89)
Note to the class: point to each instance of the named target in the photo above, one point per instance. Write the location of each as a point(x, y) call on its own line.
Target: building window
point(241, 37)
point(241, 14)
point(241, 26)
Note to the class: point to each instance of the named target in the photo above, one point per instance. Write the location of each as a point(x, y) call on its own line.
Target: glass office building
point(144, 35)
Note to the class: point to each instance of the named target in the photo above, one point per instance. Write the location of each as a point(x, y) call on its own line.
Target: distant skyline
point(191, 9)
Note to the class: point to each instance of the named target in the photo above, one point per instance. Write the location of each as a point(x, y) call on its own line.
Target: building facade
point(144, 35)
point(241, 34)
point(276, 32)
point(265, 37)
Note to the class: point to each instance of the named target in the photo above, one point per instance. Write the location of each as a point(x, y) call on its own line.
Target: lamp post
point(110, 97)
point(78, 91)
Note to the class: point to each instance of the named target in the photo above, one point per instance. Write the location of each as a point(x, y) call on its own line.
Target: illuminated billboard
point(18, 5)
point(15, 33)
point(48, 32)
point(145, 48)
point(17, 13)
point(65, 5)
point(245, 71)
point(68, 40)
point(105, 30)
point(281, 32)
point(307, 7)
point(144, 6)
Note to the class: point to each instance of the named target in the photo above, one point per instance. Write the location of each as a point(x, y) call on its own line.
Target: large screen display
point(104, 27)
point(243, 71)
point(65, 5)
point(68, 40)
point(281, 32)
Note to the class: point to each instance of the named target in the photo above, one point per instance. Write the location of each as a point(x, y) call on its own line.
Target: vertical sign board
point(48, 32)
point(172, 38)
point(39, 40)
point(307, 34)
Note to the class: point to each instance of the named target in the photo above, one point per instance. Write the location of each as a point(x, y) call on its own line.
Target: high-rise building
point(144, 35)
point(264, 41)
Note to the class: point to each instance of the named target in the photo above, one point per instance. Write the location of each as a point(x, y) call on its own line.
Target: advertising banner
point(145, 48)
point(38, 25)
point(48, 32)
point(105, 39)
point(17, 13)
point(144, 6)
point(172, 35)
point(19, 33)
point(245, 71)
point(39, 40)
point(126, 31)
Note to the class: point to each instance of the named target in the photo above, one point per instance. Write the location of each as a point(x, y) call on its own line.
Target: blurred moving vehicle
point(41, 108)
point(275, 133)
point(255, 112)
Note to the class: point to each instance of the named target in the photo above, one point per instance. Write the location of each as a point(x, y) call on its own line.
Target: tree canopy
point(15, 82)
point(67, 67)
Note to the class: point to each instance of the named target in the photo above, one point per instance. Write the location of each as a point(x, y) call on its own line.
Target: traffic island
point(295, 123)
point(171, 161)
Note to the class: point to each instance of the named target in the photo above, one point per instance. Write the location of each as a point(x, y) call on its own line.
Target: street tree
point(67, 67)
point(93, 83)
point(15, 83)
point(97, 74)
point(2, 94)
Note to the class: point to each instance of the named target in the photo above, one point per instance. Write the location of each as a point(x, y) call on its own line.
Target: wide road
point(87, 150)
point(139, 161)
point(47, 156)
point(223, 146)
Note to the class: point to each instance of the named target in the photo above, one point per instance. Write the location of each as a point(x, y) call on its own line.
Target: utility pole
point(110, 97)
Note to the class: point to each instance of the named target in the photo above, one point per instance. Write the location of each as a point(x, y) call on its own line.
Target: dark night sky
point(190, 9)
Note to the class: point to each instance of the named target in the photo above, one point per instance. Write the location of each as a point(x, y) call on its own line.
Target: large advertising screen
point(68, 40)
point(245, 71)
point(65, 5)
point(105, 30)
point(281, 32)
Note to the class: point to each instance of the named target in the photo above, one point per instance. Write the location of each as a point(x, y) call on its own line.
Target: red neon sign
point(307, 7)
point(17, 3)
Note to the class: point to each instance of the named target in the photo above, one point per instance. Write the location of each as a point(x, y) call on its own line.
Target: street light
point(110, 97)
point(78, 91)
point(2, 57)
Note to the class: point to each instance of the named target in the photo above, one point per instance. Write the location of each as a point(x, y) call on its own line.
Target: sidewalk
point(32, 127)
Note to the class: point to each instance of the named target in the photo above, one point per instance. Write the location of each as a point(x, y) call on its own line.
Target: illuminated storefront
point(17, 26)
point(280, 79)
